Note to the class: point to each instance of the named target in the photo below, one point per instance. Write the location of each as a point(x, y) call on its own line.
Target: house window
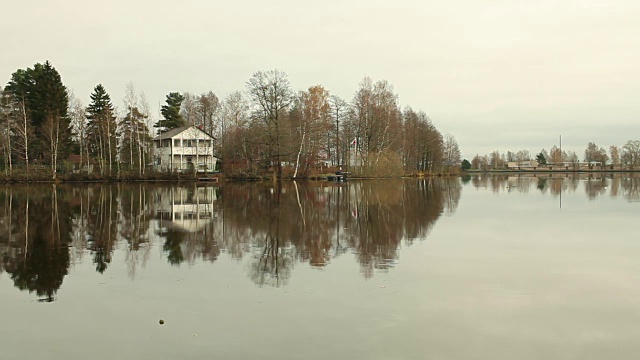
point(166, 143)
point(176, 142)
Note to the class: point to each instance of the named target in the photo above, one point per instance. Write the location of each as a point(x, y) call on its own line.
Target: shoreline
point(221, 178)
point(216, 178)
point(581, 171)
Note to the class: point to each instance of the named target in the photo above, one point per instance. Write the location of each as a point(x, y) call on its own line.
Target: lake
point(479, 267)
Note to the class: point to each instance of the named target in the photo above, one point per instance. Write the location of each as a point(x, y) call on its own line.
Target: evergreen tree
point(41, 102)
point(542, 160)
point(171, 112)
point(466, 165)
point(101, 128)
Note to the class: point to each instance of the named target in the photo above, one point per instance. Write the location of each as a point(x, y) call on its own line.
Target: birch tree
point(6, 125)
point(79, 126)
point(314, 122)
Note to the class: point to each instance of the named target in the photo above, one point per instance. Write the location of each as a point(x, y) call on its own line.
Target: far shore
point(213, 178)
point(547, 171)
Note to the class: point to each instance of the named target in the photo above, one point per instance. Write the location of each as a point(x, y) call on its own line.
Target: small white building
point(185, 149)
point(527, 164)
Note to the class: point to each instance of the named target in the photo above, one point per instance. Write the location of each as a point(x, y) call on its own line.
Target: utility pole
point(560, 146)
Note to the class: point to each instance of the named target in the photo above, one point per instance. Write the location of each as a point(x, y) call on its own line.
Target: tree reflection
point(288, 222)
point(44, 229)
point(102, 205)
point(596, 185)
point(188, 222)
point(274, 226)
point(34, 246)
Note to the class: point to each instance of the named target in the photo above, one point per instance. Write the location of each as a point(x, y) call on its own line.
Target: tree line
point(266, 128)
point(627, 156)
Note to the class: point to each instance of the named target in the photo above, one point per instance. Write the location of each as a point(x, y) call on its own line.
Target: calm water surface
point(485, 267)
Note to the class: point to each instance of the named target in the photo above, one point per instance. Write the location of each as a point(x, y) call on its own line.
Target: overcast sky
point(496, 74)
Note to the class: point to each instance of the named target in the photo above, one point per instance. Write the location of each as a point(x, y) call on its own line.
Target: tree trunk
point(25, 128)
point(295, 173)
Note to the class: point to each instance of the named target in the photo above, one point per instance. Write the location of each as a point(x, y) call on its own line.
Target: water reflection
point(625, 185)
point(34, 239)
point(46, 229)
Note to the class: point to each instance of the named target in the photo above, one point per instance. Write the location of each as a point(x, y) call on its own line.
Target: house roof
point(173, 132)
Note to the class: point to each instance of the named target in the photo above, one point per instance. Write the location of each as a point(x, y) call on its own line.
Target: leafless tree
point(378, 121)
point(451, 152)
point(312, 124)
point(614, 153)
point(272, 96)
point(631, 152)
point(6, 130)
point(339, 111)
point(79, 126)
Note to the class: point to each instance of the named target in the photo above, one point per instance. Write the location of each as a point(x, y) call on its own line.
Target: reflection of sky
point(518, 277)
point(509, 275)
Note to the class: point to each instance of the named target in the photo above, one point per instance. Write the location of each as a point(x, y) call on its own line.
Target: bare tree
point(496, 160)
point(631, 152)
point(451, 152)
point(271, 95)
point(208, 108)
point(79, 126)
point(189, 108)
point(555, 155)
point(422, 143)
point(233, 142)
point(51, 132)
point(339, 110)
point(130, 102)
point(314, 122)
point(378, 121)
point(22, 129)
point(147, 148)
point(614, 153)
point(5, 117)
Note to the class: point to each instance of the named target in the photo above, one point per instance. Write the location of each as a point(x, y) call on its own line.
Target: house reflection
point(187, 209)
point(187, 219)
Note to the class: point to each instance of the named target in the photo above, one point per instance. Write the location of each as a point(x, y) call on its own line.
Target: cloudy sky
point(496, 74)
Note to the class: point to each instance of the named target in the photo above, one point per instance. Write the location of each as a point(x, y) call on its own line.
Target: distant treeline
point(627, 156)
point(267, 128)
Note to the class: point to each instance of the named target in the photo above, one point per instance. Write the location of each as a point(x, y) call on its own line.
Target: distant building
point(522, 165)
point(185, 149)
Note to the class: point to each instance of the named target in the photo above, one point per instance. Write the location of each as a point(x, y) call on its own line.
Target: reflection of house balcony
point(192, 220)
point(187, 209)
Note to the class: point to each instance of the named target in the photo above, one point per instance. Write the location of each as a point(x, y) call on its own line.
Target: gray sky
point(501, 74)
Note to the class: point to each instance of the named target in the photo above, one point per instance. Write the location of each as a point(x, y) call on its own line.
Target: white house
point(185, 149)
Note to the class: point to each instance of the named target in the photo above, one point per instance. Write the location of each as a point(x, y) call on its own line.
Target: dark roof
point(173, 132)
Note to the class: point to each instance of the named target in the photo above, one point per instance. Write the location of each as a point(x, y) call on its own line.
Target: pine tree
point(40, 101)
point(542, 160)
point(101, 128)
point(171, 112)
